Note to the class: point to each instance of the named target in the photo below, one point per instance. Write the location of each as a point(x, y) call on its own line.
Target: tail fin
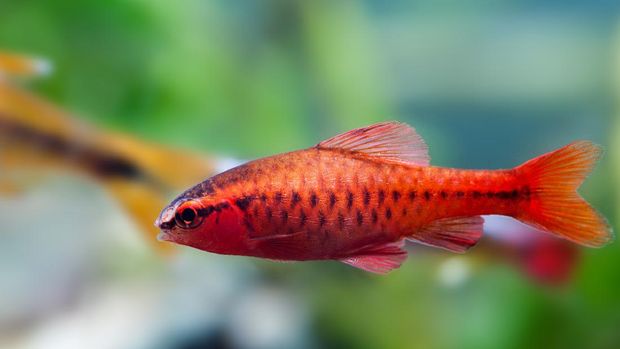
point(554, 205)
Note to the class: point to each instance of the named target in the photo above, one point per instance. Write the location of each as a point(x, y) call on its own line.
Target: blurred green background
point(488, 83)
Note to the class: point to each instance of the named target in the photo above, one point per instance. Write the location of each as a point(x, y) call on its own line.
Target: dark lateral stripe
point(427, 195)
point(444, 194)
point(98, 161)
point(507, 194)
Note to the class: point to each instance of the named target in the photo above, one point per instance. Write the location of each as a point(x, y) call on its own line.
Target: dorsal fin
point(392, 141)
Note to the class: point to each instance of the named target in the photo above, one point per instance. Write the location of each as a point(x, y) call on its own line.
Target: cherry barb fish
point(358, 196)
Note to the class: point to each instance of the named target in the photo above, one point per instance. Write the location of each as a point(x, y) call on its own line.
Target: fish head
point(205, 223)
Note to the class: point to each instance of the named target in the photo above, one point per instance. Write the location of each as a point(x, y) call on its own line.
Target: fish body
point(358, 196)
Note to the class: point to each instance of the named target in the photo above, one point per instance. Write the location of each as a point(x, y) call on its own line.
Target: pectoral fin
point(379, 260)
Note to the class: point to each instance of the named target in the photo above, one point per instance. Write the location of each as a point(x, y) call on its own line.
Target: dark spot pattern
point(444, 194)
point(350, 198)
point(340, 220)
point(278, 197)
point(302, 218)
point(243, 202)
point(427, 195)
point(221, 206)
point(360, 217)
point(375, 216)
point(284, 216)
point(366, 197)
point(295, 199)
point(412, 195)
point(314, 200)
point(388, 213)
point(396, 195)
point(332, 200)
point(381, 197)
point(322, 218)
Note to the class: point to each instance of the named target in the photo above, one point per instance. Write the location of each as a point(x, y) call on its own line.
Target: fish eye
point(187, 216)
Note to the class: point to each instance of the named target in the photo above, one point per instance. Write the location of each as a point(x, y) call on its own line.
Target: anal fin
point(379, 260)
point(455, 234)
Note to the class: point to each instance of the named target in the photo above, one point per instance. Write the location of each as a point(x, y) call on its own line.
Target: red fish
point(358, 196)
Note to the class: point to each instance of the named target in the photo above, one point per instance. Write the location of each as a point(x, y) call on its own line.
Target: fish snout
point(165, 221)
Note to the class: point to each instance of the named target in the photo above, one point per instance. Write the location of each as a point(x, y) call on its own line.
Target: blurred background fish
point(155, 85)
point(36, 136)
point(14, 65)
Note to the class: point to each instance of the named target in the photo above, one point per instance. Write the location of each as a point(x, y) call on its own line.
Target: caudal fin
point(554, 205)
